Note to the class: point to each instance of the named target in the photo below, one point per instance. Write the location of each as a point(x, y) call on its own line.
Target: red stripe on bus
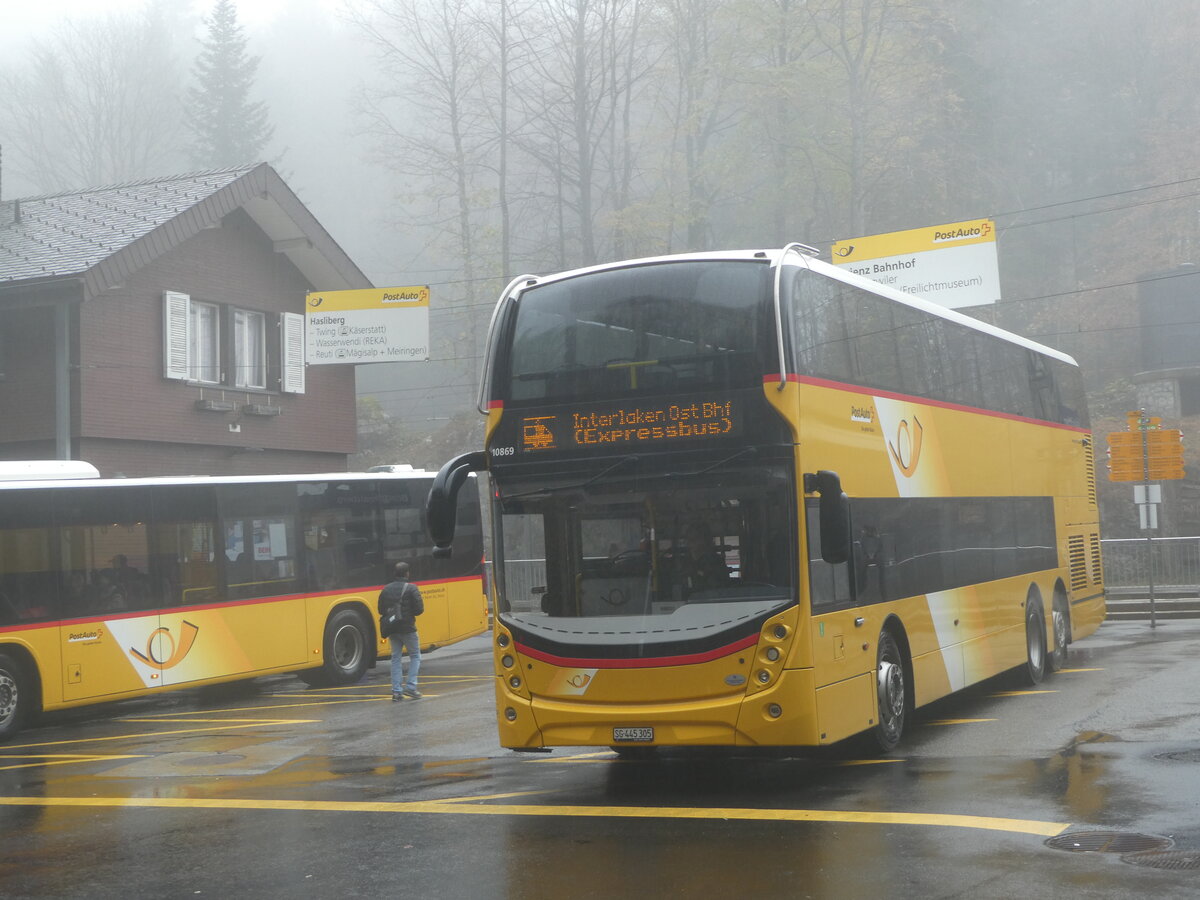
point(495, 404)
point(910, 398)
point(644, 663)
point(226, 604)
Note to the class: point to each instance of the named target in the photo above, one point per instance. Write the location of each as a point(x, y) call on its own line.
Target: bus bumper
point(778, 715)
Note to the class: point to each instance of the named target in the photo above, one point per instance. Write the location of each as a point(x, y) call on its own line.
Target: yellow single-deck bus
point(749, 499)
point(116, 588)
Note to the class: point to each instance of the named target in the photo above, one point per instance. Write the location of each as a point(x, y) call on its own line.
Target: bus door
point(102, 562)
point(843, 639)
point(241, 606)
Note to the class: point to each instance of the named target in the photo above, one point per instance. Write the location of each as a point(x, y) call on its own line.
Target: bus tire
point(1035, 640)
point(891, 694)
point(349, 642)
point(16, 696)
point(1060, 620)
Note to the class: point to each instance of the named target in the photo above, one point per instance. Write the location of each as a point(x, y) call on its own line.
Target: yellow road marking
point(454, 762)
point(247, 723)
point(492, 796)
point(1019, 693)
point(1073, 671)
point(61, 759)
point(957, 721)
point(606, 755)
point(1017, 826)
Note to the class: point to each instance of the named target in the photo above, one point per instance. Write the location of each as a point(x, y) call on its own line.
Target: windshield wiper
point(546, 492)
point(745, 451)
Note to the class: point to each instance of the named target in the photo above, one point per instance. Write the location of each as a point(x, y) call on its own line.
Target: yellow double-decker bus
point(116, 588)
point(749, 499)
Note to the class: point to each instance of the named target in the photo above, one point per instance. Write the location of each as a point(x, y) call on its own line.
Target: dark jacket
point(408, 597)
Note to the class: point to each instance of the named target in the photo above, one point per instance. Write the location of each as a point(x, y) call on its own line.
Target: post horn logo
point(157, 653)
point(906, 449)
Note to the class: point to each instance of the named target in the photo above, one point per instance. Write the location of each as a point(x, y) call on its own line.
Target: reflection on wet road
point(273, 789)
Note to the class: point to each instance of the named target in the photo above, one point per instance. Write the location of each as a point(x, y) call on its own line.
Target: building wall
point(27, 389)
point(145, 424)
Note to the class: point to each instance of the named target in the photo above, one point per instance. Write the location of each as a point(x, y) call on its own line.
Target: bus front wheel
point(15, 696)
point(1035, 641)
point(891, 693)
point(348, 645)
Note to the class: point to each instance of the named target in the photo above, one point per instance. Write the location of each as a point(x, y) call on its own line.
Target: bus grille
point(1077, 552)
point(1090, 462)
point(1097, 562)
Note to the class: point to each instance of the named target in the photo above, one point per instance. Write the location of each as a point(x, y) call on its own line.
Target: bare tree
point(574, 100)
point(427, 118)
point(96, 103)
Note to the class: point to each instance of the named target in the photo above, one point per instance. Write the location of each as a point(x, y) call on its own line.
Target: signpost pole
point(1151, 521)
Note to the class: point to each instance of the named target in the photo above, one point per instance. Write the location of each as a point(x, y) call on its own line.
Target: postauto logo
point(163, 651)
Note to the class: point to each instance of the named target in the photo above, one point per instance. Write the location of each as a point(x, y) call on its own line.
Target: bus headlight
point(772, 654)
point(510, 714)
point(515, 682)
point(780, 632)
point(763, 676)
point(502, 639)
point(507, 661)
point(774, 710)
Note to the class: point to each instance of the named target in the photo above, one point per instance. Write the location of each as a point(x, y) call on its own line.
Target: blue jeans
point(400, 643)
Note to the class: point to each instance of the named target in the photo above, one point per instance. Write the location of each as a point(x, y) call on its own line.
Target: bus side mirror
point(441, 506)
point(834, 513)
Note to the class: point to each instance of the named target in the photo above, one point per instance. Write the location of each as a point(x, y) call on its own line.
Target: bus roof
point(76, 482)
point(46, 470)
point(824, 268)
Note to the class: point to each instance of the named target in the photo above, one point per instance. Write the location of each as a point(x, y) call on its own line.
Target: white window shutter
point(176, 335)
point(291, 326)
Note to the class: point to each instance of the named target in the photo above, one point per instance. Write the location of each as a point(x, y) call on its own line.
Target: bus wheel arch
point(893, 685)
point(348, 647)
point(1034, 669)
point(1060, 628)
point(20, 690)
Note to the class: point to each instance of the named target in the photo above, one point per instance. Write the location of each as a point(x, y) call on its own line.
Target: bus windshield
point(646, 562)
point(653, 328)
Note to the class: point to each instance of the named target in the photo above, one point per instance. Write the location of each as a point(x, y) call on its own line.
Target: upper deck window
point(649, 329)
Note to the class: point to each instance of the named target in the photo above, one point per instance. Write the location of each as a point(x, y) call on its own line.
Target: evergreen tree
point(229, 130)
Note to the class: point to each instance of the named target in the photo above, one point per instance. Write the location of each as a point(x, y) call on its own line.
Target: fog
point(455, 143)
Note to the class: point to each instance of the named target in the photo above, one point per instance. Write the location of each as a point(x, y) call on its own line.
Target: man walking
point(404, 596)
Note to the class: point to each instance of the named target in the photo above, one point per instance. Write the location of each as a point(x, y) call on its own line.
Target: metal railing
point(1170, 564)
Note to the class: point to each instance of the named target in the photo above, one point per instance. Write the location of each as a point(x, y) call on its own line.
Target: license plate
point(621, 735)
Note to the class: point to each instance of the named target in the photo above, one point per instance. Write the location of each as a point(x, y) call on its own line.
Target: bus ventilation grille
point(1078, 556)
point(1097, 563)
point(1090, 463)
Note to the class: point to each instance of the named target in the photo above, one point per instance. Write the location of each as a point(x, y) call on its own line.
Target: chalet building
point(157, 328)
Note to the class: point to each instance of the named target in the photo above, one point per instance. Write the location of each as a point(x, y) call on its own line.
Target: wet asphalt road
point(275, 790)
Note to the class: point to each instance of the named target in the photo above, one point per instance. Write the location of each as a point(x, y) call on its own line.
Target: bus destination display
point(597, 426)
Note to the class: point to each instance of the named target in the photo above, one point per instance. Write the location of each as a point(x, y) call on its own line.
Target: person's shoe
point(396, 698)
point(412, 694)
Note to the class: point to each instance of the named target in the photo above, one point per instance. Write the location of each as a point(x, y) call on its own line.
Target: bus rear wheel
point(348, 645)
point(15, 696)
point(1035, 641)
point(891, 694)
point(1060, 621)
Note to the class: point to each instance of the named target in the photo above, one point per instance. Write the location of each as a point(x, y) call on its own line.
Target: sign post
point(368, 325)
point(1146, 452)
